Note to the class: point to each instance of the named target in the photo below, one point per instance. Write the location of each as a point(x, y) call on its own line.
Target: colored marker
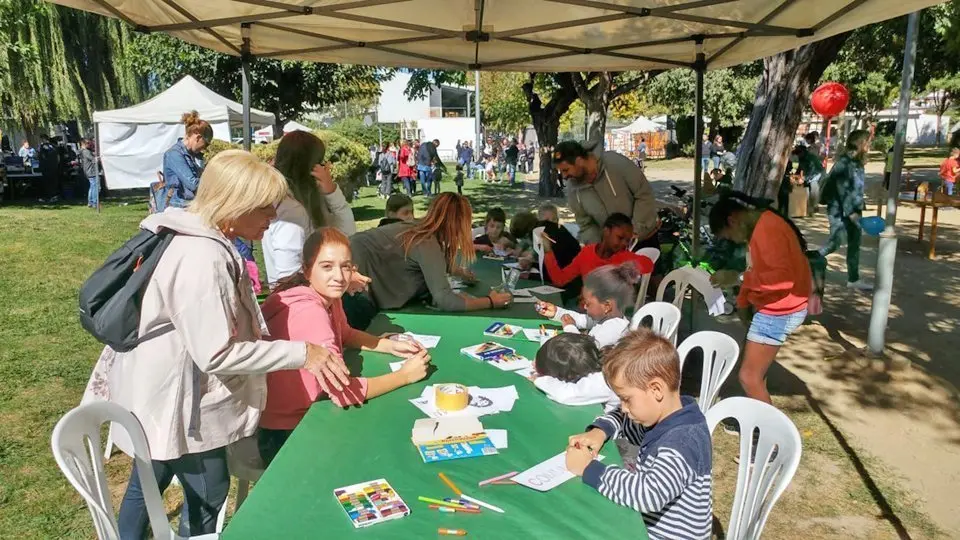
point(496, 478)
point(439, 502)
point(462, 502)
point(450, 484)
point(451, 532)
point(454, 510)
point(481, 503)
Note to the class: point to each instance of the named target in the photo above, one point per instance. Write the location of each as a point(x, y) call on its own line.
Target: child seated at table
point(494, 240)
point(671, 486)
point(568, 371)
point(307, 306)
point(607, 291)
point(399, 208)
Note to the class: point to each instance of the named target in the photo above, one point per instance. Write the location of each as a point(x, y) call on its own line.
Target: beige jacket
point(201, 385)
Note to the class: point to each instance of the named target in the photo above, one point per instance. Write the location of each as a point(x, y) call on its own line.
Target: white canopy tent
point(132, 141)
point(641, 125)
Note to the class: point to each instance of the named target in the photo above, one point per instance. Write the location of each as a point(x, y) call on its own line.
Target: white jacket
point(606, 332)
point(589, 390)
point(201, 385)
point(283, 241)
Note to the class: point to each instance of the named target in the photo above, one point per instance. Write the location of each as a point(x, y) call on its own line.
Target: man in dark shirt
point(426, 158)
point(511, 154)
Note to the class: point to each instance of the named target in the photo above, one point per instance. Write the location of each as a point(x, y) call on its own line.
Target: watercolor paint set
point(369, 503)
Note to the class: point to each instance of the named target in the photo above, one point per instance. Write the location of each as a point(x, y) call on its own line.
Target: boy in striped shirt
point(671, 483)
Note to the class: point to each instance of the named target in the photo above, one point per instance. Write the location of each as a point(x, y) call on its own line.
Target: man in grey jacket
point(603, 183)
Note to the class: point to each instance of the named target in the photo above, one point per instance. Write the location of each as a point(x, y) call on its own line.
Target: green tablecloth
point(332, 448)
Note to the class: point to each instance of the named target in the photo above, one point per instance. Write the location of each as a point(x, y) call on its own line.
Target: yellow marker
point(451, 532)
point(451, 484)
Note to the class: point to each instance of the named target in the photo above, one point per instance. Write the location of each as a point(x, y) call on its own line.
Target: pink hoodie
point(299, 314)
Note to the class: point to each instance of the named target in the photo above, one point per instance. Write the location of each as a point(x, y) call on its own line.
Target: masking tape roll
point(452, 397)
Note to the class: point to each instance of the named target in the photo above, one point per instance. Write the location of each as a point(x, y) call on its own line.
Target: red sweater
point(777, 280)
point(588, 260)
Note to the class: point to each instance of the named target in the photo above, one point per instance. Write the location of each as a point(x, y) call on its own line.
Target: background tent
point(132, 140)
point(642, 125)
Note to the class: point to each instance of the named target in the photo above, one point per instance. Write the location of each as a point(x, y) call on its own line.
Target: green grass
point(46, 358)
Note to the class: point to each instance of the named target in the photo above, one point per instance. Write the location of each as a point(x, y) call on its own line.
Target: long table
point(937, 202)
point(333, 447)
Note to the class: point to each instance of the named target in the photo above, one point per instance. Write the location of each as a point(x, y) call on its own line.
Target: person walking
point(387, 163)
point(843, 194)
point(405, 163)
point(511, 155)
point(426, 159)
point(88, 162)
point(705, 151)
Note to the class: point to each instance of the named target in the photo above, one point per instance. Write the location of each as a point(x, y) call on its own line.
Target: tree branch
point(580, 85)
point(633, 84)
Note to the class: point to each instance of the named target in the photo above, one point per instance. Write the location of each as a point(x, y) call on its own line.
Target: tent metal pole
point(700, 66)
point(245, 83)
point(476, 114)
point(96, 160)
point(887, 252)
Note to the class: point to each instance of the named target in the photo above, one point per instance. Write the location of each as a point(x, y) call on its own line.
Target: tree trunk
point(783, 93)
point(546, 122)
point(939, 129)
point(596, 100)
point(596, 121)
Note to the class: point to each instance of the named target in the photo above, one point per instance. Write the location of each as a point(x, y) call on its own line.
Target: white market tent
point(504, 35)
point(132, 141)
point(641, 125)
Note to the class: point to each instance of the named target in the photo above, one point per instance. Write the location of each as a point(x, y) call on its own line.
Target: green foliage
point(870, 91)
point(422, 80)
point(287, 89)
point(881, 143)
point(502, 103)
point(354, 130)
point(58, 64)
point(728, 94)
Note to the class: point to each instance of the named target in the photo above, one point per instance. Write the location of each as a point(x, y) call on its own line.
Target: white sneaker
point(860, 285)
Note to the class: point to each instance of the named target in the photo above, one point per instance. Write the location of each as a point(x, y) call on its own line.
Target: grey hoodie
point(620, 187)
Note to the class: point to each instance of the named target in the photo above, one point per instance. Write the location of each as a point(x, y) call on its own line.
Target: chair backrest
point(681, 280)
point(76, 448)
point(759, 484)
point(720, 353)
point(573, 228)
point(642, 291)
point(666, 319)
point(651, 253)
point(538, 247)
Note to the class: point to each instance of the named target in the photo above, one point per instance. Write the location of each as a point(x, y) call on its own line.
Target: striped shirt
point(671, 486)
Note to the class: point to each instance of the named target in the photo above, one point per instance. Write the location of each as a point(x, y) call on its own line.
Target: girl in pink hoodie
point(307, 306)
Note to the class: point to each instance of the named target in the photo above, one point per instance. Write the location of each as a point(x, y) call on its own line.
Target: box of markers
point(502, 330)
point(369, 503)
point(497, 355)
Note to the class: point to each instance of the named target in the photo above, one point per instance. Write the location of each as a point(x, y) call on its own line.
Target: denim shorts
point(773, 329)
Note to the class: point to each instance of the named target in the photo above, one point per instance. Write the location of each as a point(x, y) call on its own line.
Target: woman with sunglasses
point(183, 162)
point(313, 200)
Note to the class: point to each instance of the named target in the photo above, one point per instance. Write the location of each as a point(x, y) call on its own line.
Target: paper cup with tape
point(452, 397)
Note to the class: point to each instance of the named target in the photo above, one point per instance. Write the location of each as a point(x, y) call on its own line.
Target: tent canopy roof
point(532, 35)
point(641, 125)
point(184, 96)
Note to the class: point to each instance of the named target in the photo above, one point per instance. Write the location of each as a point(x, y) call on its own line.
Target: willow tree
point(59, 64)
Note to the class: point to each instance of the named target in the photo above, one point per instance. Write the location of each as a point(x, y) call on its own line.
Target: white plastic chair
point(760, 480)
point(574, 229)
point(680, 278)
point(538, 248)
point(76, 449)
point(720, 354)
point(653, 254)
point(666, 319)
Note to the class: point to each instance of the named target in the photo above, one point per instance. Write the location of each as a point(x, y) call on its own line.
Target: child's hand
point(546, 309)
point(415, 368)
point(567, 320)
point(578, 459)
point(403, 348)
point(592, 441)
point(482, 248)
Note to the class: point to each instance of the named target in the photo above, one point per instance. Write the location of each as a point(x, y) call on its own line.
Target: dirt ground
point(894, 418)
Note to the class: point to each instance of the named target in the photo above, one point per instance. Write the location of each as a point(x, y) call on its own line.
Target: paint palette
point(369, 503)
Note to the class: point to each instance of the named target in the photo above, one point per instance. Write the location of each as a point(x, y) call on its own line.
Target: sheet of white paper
point(546, 475)
point(533, 334)
point(525, 300)
point(395, 366)
point(498, 437)
point(516, 266)
point(526, 372)
point(426, 341)
point(520, 292)
point(482, 401)
point(545, 289)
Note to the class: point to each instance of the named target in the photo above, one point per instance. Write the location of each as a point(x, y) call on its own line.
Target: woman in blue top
point(183, 162)
point(842, 192)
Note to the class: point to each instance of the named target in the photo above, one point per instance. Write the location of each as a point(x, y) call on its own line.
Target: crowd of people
point(229, 368)
point(65, 168)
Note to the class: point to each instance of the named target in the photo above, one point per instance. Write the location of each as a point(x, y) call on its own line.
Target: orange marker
point(451, 532)
point(450, 484)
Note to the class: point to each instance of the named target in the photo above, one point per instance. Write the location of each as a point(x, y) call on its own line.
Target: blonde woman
point(199, 384)
point(408, 261)
point(312, 201)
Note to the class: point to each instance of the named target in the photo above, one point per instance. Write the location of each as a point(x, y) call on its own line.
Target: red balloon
point(829, 99)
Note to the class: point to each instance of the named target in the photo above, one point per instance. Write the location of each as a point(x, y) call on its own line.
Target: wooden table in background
point(938, 201)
